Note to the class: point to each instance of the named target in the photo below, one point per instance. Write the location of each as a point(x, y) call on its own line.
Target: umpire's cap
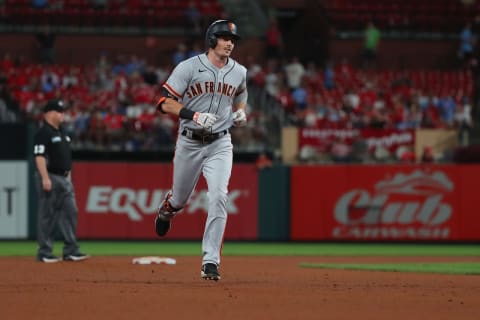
point(54, 105)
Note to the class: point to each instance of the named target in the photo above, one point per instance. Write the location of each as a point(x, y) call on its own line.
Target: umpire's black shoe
point(75, 257)
point(48, 258)
point(210, 272)
point(161, 225)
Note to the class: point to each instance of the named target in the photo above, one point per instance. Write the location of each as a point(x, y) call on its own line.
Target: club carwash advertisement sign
point(396, 202)
point(120, 201)
point(407, 205)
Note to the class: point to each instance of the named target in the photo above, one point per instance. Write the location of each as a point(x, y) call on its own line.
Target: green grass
point(466, 268)
point(180, 248)
point(118, 248)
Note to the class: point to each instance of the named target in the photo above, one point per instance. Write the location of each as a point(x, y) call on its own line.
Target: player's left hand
point(239, 118)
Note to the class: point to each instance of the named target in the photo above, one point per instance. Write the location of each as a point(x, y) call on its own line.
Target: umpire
point(56, 197)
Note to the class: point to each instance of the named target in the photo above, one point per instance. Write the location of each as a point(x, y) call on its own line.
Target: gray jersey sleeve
point(178, 81)
point(242, 94)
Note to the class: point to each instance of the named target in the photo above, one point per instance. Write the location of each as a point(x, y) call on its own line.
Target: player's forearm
point(240, 105)
point(171, 106)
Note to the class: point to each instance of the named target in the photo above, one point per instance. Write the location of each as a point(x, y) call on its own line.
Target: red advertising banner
point(434, 202)
point(119, 201)
point(389, 139)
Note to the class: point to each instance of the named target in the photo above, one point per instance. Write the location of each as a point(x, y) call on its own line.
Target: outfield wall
point(118, 200)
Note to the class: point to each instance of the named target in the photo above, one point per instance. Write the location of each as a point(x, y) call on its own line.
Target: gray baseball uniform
point(202, 87)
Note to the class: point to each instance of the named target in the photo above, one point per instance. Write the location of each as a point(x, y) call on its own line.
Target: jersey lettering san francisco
point(202, 87)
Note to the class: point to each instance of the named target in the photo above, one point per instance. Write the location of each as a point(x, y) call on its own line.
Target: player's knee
point(218, 197)
point(220, 201)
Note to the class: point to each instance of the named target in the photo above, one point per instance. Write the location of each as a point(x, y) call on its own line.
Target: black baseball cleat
point(48, 258)
point(210, 272)
point(75, 257)
point(161, 225)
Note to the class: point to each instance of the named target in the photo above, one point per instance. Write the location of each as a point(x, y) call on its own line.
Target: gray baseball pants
point(56, 207)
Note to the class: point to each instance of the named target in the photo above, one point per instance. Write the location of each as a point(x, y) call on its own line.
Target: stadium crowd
point(340, 96)
point(111, 99)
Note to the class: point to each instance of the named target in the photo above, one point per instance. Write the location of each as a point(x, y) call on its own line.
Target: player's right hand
point(205, 120)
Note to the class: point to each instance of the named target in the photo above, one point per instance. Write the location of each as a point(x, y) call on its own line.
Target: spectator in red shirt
point(46, 45)
point(274, 40)
point(427, 155)
point(96, 130)
point(6, 64)
point(340, 150)
point(431, 117)
point(367, 95)
point(114, 128)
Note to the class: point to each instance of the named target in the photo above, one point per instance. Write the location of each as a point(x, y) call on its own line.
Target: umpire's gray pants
point(58, 206)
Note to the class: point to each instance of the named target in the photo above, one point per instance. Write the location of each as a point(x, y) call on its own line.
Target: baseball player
point(208, 93)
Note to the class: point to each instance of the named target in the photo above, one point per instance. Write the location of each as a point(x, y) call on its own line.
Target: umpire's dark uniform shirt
point(54, 145)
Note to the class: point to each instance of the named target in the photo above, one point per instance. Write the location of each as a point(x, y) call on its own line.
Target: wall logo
point(7, 206)
point(135, 203)
point(409, 206)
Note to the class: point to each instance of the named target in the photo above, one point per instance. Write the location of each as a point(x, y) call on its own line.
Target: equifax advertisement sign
point(383, 203)
point(120, 200)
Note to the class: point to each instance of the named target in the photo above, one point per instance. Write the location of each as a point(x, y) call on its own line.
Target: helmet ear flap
point(212, 41)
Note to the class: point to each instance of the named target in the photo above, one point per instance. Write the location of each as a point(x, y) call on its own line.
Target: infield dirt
point(251, 288)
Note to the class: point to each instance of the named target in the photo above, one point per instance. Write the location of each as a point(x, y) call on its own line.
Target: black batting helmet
point(218, 28)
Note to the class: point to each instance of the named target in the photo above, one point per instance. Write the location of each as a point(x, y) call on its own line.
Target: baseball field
point(259, 281)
